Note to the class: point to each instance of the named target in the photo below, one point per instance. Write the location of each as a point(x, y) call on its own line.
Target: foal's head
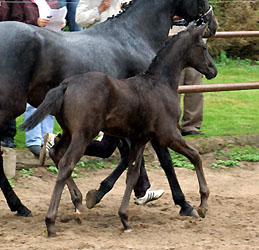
point(195, 51)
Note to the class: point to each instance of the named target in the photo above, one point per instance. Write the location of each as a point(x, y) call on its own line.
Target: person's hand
point(105, 4)
point(42, 22)
point(63, 24)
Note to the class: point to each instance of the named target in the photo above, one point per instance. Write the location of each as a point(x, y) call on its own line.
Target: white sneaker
point(149, 196)
point(100, 136)
point(47, 145)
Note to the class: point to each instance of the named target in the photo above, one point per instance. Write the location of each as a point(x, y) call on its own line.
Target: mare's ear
point(198, 31)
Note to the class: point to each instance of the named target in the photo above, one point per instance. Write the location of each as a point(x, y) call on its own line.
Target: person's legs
point(71, 12)
point(33, 136)
point(142, 191)
point(143, 183)
point(47, 126)
point(193, 103)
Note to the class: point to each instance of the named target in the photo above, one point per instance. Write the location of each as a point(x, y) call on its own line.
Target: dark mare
point(140, 108)
point(35, 60)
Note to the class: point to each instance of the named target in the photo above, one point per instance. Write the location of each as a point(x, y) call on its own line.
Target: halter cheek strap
point(203, 18)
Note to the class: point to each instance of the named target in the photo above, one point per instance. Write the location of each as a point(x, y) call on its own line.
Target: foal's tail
point(52, 104)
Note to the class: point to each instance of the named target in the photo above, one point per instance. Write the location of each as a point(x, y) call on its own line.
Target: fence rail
point(222, 86)
point(218, 87)
point(230, 34)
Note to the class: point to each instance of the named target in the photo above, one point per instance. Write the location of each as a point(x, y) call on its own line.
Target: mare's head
point(197, 55)
point(199, 11)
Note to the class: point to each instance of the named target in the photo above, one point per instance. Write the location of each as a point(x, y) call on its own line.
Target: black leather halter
point(203, 17)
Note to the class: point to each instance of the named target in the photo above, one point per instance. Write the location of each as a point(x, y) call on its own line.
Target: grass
point(232, 112)
point(225, 113)
point(233, 156)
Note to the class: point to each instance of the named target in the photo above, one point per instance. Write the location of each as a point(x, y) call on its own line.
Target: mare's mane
point(171, 41)
point(125, 8)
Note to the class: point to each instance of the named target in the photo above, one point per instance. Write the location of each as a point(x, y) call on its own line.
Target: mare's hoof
point(78, 217)
point(202, 212)
point(127, 230)
point(91, 199)
point(190, 211)
point(24, 212)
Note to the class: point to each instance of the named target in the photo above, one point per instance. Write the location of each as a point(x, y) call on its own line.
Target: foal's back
point(130, 107)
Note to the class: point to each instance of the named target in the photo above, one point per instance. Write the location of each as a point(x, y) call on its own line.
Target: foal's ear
point(200, 30)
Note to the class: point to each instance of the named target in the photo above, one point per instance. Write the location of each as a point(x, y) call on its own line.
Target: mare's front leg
point(167, 165)
point(12, 199)
point(65, 166)
point(94, 196)
point(179, 145)
point(135, 159)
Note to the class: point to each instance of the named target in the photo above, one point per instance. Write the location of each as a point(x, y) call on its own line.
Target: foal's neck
point(167, 65)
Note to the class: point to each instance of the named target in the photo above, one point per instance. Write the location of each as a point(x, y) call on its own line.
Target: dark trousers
point(105, 149)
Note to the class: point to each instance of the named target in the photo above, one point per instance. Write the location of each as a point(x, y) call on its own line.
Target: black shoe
point(194, 132)
point(8, 143)
point(35, 149)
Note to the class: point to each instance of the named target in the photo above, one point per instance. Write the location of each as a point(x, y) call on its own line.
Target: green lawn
point(225, 113)
point(232, 112)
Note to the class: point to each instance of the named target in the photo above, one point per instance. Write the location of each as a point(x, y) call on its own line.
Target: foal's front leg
point(65, 166)
point(179, 145)
point(132, 178)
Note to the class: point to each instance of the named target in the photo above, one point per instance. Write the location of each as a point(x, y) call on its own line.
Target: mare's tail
point(52, 104)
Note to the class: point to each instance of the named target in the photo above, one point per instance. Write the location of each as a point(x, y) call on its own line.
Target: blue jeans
point(35, 135)
point(71, 13)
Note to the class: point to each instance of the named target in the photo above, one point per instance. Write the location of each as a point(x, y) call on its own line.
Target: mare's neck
point(149, 20)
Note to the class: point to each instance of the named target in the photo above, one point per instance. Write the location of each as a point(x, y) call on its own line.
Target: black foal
point(141, 108)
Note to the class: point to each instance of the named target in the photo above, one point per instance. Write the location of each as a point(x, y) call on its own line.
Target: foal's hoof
point(78, 217)
point(24, 212)
point(128, 230)
point(52, 234)
point(202, 212)
point(91, 199)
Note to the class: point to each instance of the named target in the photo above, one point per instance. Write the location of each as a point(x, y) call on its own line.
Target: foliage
point(26, 173)
point(10, 180)
point(236, 16)
point(52, 169)
point(180, 161)
point(234, 156)
point(85, 166)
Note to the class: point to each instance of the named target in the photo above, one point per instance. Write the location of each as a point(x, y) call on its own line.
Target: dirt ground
point(232, 221)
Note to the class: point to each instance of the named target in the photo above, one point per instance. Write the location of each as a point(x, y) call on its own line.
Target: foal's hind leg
point(167, 165)
point(179, 145)
point(65, 166)
point(56, 154)
point(132, 178)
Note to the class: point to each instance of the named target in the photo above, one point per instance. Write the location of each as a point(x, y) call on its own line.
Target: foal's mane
point(160, 51)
